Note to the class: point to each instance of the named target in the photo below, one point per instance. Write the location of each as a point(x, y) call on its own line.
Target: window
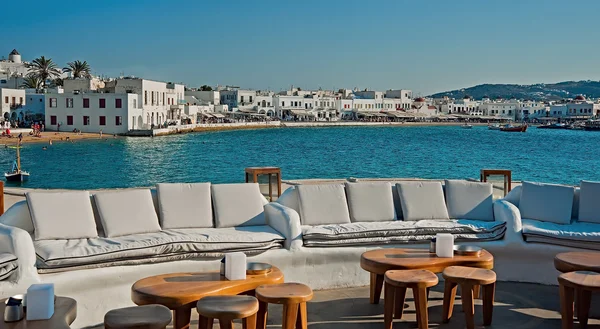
point(102, 120)
point(282, 103)
point(102, 103)
point(118, 120)
point(69, 102)
point(134, 103)
point(163, 94)
point(6, 99)
point(86, 103)
point(86, 120)
point(118, 103)
point(250, 99)
point(21, 100)
point(14, 100)
point(53, 120)
point(69, 120)
point(52, 102)
point(145, 97)
point(242, 99)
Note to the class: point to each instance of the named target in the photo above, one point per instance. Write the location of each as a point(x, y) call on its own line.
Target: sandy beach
point(56, 137)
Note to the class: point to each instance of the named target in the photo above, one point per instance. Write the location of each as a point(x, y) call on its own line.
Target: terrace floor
point(517, 306)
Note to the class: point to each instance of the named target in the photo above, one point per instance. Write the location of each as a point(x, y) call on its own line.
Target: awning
point(208, 115)
point(302, 112)
point(218, 115)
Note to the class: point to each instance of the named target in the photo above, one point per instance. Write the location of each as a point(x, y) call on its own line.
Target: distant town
point(71, 99)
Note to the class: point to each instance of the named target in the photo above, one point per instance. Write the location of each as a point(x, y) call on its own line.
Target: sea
point(541, 155)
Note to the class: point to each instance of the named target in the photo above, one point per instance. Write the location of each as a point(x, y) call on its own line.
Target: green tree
point(206, 88)
point(32, 82)
point(79, 69)
point(58, 82)
point(43, 68)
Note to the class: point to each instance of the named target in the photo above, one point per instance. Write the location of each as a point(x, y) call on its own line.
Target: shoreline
point(47, 136)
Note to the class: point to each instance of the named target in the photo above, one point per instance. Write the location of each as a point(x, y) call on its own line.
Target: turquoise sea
point(560, 156)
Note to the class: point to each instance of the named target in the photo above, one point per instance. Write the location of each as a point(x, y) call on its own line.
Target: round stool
point(396, 283)
point(293, 297)
point(226, 309)
point(468, 278)
point(136, 317)
point(580, 284)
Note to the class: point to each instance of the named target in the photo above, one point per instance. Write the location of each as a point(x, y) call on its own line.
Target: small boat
point(494, 127)
point(554, 126)
point(592, 125)
point(466, 126)
point(511, 128)
point(16, 174)
point(576, 126)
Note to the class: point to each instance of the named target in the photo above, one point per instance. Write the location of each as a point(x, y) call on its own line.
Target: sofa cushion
point(127, 212)
point(370, 202)
point(238, 205)
point(166, 245)
point(422, 200)
point(61, 215)
point(589, 202)
point(323, 204)
point(8, 265)
point(375, 233)
point(184, 205)
point(470, 200)
point(576, 235)
point(546, 202)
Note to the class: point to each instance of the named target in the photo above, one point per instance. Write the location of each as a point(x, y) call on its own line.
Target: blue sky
point(426, 46)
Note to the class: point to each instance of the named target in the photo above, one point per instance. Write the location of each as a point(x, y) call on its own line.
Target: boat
point(592, 125)
point(511, 128)
point(466, 126)
point(576, 126)
point(554, 126)
point(494, 127)
point(16, 174)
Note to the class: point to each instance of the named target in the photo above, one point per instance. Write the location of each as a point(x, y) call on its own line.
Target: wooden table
point(577, 261)
point(252, 174)
point(484, 173)
point(65, 312)
point(379, 261)
point(180, 291)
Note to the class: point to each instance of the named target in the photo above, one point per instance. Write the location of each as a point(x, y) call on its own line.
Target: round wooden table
point(577, 261)
point(379, 261)
point(65, 312)
point(181, 291)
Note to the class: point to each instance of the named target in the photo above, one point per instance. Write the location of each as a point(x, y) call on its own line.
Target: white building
point(210, 97)
point(13, 66)
point(238, 99)
point(404, 95)
point(11, 100)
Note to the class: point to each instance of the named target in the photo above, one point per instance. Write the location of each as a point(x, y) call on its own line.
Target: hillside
point(541, 91)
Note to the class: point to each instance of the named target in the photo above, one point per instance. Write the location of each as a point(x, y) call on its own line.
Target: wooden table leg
point(181, 317)
point(448, 305)
point(488, 303)
point(420, 295)
point(376, 285)
point(467, 304)
point(389, 300)
point(476, 289)
point(302, 318)
point(399, 303)
point(249, 322)
point(290, 313)
point(261, 315)
point(204, 322)
point(566, 306)
point(583, 309)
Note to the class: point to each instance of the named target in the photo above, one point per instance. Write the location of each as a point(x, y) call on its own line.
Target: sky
point(427, 46)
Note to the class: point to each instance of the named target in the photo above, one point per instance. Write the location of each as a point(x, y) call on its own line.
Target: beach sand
point(56, 137)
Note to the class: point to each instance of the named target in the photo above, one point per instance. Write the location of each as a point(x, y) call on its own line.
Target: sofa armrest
point(507, 212)
point(286, 221)
point(16, 241)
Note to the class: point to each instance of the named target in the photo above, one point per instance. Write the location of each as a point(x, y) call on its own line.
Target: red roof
point(419, 99)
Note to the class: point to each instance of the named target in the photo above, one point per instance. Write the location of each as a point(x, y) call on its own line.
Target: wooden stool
point(396, 283)
point(138, 317)
point(469, 278)
point(580, 284)
point(293, 296)
point(226, 309)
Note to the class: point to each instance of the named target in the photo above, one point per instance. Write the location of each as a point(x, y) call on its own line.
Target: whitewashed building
point(11, 100)
point(210, 97)
point(238, 99)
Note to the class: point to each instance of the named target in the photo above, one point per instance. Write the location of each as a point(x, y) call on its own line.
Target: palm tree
point(32, 82)
point(79, 69)
point(44, 68)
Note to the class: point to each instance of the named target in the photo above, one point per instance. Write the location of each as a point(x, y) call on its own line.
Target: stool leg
point(249, 322)
point(290, 312)
point(467, 304)
point(449, 295)
point(182, 317)
point(204, 322)
point(388, 314)
point(488, 303)
point(583, 309)
point(476, 289)
point(566, 305)
point(302, 318)
point(376, 285)
point(399, 303)
point(225, 324)
point(420, 295)
point(261, 315)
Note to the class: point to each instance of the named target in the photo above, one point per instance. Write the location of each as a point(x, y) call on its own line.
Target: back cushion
point(422, 200)
point(370, 202)
point(589, 202)
point(470, 200)
point(547, 202)
point(238, 205)
point(184, 205)
point(323, 204)
point(61, 215)
point(289, 198)
point(127, 212)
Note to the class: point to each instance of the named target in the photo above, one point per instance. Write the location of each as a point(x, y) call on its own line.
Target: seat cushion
point(8, 265)
point(238, 205)
point(370, 202)
point(576, 235)
point(398, 232)
point(127, 212)
point(422, 200)
point(184, 205)
point(547, 202)
point(62, 215)
point(323, 204)
point(166, 245)
point(589, 202)
point(470, 200)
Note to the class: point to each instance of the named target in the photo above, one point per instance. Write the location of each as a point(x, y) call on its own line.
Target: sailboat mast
point(19, 156)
